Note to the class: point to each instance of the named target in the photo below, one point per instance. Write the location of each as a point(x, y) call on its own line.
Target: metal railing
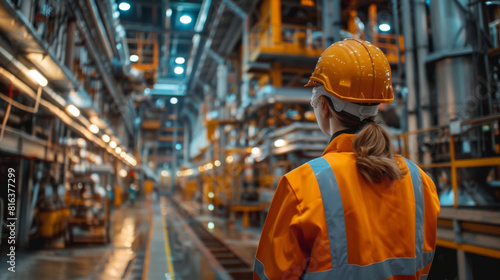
point(292, 37)
point(436, 147)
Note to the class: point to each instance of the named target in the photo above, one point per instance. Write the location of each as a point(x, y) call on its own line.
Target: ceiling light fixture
point(124, 6)
point(106, 138)
point(174, 100)
point(279, 143)
point(169, 12)
point(178, 70)
point(38, 77)
point(94, 128)
point(112, 144)
point(384, 27)
point(180, 60)
point(134, 58)
point(185, 19)
point(73, 110)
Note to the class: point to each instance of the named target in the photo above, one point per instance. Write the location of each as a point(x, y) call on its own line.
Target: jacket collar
point(341, 141)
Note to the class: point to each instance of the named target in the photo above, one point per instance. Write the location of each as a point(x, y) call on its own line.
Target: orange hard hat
point(354, 71)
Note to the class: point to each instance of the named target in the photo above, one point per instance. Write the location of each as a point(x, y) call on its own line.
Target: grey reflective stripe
point(416, 180)
point(334, 214)
point(334, 211)
point(424, 277)
point(258, 267)
point(380, 270)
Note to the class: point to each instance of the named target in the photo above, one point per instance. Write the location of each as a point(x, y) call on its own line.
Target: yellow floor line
point(167, 250)
point(145, 269)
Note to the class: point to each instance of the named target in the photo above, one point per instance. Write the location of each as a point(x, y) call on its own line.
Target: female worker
point(359, 211)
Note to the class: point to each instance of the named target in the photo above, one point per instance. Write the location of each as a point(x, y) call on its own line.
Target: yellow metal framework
point(454, 164)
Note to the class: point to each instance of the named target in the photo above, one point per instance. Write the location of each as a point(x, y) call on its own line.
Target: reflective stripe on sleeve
point(258, 267)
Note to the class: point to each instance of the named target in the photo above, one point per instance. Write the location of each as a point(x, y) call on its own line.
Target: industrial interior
point(144, 139)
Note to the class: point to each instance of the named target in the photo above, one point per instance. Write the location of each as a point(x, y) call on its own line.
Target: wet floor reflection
point(112, 261)
point(188, 261)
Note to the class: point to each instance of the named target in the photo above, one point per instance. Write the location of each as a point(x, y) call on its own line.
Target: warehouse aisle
point(122, 259)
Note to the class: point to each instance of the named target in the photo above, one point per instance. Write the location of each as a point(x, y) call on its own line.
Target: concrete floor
point(118, 260)
point(139, 249)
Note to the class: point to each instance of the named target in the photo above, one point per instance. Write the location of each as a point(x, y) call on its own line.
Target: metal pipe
point(108, 81)
point(410, 66)
point(422, 44)
point(395, 23)
point(101, 32)
point(455, 81)
point(331, 21)
point(199, 26)
point(6, 116)
point(11, 101)
point(70, 45)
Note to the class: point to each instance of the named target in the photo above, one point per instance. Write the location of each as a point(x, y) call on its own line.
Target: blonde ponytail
point(372, 146)
point(375, 154)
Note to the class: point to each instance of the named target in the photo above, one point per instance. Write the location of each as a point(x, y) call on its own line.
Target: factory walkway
point(155, 239)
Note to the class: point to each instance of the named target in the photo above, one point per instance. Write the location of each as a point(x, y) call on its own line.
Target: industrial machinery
point(67, 114)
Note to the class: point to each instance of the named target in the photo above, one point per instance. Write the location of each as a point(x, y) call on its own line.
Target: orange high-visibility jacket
point(326, 221)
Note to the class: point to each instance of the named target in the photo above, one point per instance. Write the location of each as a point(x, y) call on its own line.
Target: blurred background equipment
point(105, 103)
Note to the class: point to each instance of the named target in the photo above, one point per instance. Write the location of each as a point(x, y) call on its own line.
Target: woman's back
point(332, 223)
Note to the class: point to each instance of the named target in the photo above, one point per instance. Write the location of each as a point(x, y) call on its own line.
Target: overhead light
point(180, 60)
point(124, 6)
point(169, 12)
point(73, 110)
point(134, 58)
point(178, 70)
point(211, 207)
point(384, 27)
point(200, 168)
point(118, 150)
point(179, 174)
point(279, 143)
point(210, 166)
point(256, 151)
point(116, 14)
point(174, 100)
point(229, 159)
point(164, 173)
point(112, 144)
point(211, 225)
point(106, 138)
point(94, 128)
point(123, 173)
point(178, 147)
point(185, 19)
point(94, 119)
point(123, 154)
point(38, 77)
point(147, 91)
point(217, 163)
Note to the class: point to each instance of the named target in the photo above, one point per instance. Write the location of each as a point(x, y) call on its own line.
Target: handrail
point(454, 164)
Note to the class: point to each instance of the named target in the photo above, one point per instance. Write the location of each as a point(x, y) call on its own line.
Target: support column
point(464, 266)
point(276, 22)
point(24, 200)
point(331, 21)
point(411, 77)
point(422, 44)
point(276, 75)
point(455, 79)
